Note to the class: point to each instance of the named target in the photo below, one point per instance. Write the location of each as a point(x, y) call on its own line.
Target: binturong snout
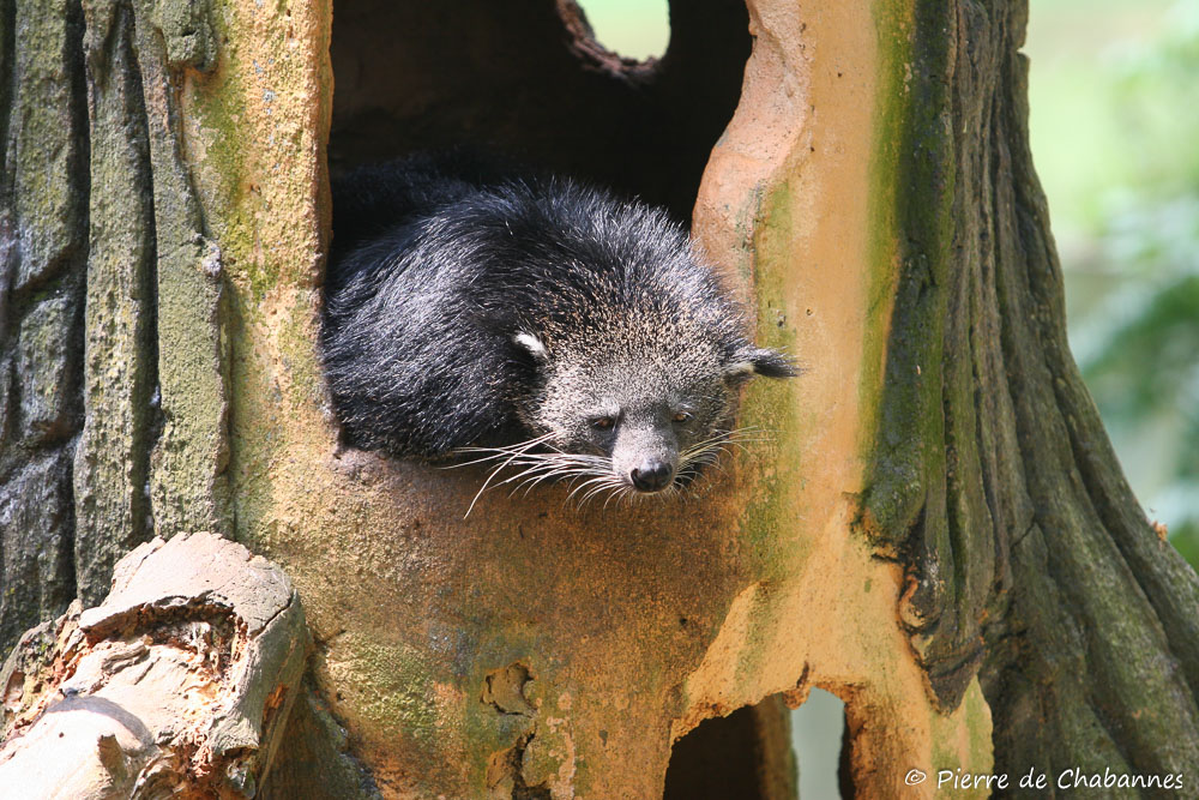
point(646, 453)
point(652, 475)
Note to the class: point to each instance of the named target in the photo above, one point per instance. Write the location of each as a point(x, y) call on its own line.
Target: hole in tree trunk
point(819, 733)
point(527, 80)
point(639, 30)
point(746, 755)
point(753, 753)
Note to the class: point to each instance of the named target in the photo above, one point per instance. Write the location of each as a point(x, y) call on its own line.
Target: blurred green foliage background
point(634, 28)
point(1114, 94)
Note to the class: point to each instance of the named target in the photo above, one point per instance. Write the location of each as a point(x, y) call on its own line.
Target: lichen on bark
point(43, 250)
point(120, 403)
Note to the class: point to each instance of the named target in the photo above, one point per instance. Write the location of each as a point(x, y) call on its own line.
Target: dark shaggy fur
point(464, 307)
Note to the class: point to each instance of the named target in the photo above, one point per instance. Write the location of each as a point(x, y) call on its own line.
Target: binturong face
point(640, 420)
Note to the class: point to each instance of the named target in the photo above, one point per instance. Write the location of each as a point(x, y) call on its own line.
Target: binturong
point(535, 323)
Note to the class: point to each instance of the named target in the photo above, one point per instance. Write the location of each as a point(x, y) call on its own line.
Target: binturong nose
point(653, 475)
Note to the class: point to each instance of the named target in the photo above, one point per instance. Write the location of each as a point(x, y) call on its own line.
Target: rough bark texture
point(43, 257)
point(994, 481)
point(180, 682)
point(176, 46)
point(95, 193)
point(121, 417)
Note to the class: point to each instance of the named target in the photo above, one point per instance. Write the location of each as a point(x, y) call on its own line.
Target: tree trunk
point(937, 529)
point(997, 471)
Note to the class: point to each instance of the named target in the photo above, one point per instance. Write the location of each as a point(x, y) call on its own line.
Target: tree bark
point(937, 529)
point(994, 482)
point(43, 257)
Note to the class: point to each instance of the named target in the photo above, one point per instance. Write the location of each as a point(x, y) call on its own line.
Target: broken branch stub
point(180, 681)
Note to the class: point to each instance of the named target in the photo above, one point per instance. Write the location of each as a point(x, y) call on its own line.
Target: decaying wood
point(180, 681)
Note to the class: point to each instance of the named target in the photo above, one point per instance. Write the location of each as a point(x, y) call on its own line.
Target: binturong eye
point(682, 416)
point(602, 423)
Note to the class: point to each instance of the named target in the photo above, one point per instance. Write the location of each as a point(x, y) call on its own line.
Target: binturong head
point(641, 408)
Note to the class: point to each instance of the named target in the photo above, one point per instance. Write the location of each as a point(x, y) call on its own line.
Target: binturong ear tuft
point(533, 345)
point(749, 361)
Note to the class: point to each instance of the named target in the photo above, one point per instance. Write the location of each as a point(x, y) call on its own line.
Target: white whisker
point(516, 453)
point(589, 476)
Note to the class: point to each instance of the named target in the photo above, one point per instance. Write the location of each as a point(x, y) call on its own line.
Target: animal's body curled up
point(576, 333)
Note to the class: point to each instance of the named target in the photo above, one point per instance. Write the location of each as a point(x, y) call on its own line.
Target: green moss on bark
point(914, 171)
